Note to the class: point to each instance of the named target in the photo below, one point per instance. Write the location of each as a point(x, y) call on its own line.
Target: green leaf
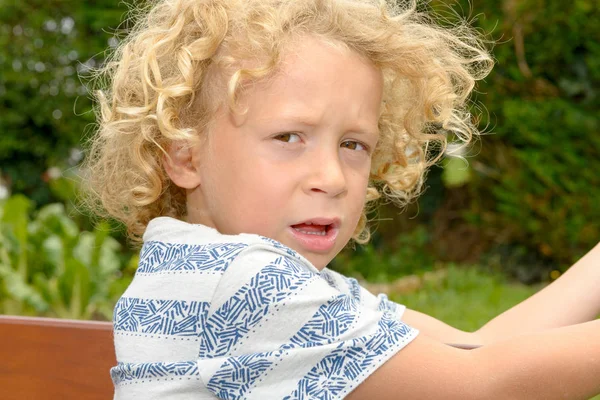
point(457, 172)
point(15, 218)
point(54, 218)
point(54, 250)
point(20, 290)
point(80, 290)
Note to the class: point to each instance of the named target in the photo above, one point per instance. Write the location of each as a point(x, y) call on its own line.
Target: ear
point(179, 165)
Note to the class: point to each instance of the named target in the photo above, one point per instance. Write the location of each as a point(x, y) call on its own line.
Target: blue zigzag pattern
point(353, 285)
point(331, 320)
point(163, 317)
point(237, 375)
point(328, 278)
point(246, 308)
point(354, 288)
point(386, 305)
point(125, 372)
point(166, 257)
point(343, 366)
point(332, 374)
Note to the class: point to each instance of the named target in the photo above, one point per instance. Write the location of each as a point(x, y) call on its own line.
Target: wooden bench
point(44, 358)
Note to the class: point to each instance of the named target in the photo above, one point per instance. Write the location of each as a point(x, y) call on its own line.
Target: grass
point(465, 298)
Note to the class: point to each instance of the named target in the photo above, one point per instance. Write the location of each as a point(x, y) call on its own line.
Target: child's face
point(295, 168)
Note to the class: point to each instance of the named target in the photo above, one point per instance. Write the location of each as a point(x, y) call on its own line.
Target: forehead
point(315, 78)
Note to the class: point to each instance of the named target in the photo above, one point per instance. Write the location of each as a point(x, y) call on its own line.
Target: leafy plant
point(408, 254)
point(48, 266)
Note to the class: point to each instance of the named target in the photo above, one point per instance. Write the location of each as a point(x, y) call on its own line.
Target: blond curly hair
point(157, 90)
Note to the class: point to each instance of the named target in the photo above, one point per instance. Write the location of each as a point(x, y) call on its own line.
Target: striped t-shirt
point(244, 317)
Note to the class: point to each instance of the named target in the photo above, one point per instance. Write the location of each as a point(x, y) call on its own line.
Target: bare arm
point(438, 330)
point(573, 298)
point(561, 363)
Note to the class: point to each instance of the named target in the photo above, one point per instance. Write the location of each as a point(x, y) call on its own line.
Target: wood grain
point(44, 358)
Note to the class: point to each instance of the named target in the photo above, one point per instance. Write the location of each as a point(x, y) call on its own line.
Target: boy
point(243, 140)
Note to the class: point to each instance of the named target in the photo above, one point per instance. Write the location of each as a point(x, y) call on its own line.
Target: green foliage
point(44, 107)
point(457, 172)
point(539, 187)
point(532, 183)
point(548, 193)
point(49, 266)
point(409, 254)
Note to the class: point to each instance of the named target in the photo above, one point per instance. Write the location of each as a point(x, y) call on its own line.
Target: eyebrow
point(368, 132)
point(366, 129)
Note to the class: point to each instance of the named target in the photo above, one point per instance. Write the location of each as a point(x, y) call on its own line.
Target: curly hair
point(158, 90)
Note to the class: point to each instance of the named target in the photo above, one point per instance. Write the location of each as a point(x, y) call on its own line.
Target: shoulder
point(173, 244)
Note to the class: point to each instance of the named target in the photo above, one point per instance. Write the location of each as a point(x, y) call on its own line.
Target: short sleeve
point(277, 328)
point(368, 299)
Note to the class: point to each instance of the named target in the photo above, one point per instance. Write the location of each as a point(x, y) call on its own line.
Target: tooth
point(312, 233)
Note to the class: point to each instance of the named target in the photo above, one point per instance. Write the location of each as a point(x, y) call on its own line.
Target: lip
point(317, 244)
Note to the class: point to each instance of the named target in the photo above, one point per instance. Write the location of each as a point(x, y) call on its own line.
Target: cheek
point(259, 193)
point(256, 215)
point(358, 187)
point(357, 197)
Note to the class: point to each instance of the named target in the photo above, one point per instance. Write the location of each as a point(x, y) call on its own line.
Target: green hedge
point(537, 185)
point(46, 47)
point(530, 195)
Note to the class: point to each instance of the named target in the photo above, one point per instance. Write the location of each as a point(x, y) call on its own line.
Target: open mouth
point(308, 228)
point(317, 234)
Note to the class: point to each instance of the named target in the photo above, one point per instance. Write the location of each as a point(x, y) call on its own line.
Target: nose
point(326, 174)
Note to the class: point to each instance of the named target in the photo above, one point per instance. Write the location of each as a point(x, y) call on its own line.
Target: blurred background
point(485, 234)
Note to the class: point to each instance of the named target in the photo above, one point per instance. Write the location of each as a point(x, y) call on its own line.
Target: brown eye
point(353, 145)
point(288, 137)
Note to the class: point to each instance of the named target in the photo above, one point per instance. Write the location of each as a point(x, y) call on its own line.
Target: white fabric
point(216, 316)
